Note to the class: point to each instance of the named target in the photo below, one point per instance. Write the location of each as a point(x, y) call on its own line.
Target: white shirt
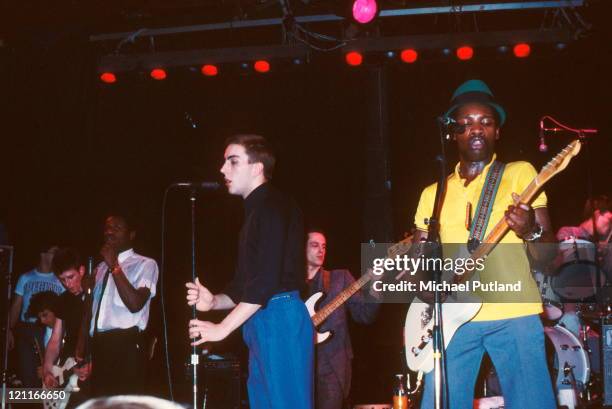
point(141, 272)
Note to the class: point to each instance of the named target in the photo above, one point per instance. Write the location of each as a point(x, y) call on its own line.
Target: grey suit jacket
point(337, 351)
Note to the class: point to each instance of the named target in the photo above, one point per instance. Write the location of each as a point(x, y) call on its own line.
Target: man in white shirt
point(125, 285)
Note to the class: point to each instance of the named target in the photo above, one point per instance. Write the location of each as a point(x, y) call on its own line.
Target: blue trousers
point(280, 338)
point(516, 348)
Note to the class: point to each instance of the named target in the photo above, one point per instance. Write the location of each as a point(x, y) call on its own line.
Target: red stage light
point(465, 53)
point(409, 55)
point(262, 66)
point(364, 11)
point(522, 50)
point(354, 58)
point(158, 74)
point(210, 70)
point(108, 77)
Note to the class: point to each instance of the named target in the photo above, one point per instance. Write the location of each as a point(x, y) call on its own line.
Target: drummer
point(598, 214)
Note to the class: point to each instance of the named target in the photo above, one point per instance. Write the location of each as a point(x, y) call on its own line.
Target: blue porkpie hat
point(475, 91)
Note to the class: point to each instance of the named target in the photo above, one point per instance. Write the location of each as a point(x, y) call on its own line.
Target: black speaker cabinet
point(221, 383)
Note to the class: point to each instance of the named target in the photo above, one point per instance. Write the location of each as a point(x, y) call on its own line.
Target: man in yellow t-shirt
point(511, 333)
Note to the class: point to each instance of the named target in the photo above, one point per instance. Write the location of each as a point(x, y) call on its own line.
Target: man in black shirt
point(264, 294)
point(68, 268)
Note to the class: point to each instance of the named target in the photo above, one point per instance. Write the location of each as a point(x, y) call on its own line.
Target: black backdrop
point(73, 148)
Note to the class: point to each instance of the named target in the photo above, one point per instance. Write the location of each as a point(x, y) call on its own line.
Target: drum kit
point(574, 313)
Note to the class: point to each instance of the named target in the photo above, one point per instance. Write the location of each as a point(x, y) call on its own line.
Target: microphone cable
point(163, 292)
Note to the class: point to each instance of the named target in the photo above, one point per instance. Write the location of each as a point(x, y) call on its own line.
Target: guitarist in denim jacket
point(334, 356)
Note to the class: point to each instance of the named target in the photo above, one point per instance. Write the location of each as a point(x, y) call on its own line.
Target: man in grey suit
point(334, 356)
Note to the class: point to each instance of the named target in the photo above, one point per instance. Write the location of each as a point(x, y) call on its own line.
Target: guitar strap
point(485, 205)
point(326, 280)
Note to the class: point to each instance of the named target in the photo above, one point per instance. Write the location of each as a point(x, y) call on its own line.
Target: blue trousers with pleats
point(516, 348)
point(280, 339)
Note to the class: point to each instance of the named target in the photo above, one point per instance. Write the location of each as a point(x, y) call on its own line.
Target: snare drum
point(553, 308)
point(576, 278)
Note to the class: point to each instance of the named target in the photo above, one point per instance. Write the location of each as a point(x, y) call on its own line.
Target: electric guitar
point(67, 370)
point(319, 316)
point(60, 373)
point(419, 324)
point(70, 385)
point(47, 403)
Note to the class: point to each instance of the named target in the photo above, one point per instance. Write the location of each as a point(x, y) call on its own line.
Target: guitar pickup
point(425, 340)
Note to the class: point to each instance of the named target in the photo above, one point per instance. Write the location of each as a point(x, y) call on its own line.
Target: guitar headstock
point(399, 248)
point(559, 162)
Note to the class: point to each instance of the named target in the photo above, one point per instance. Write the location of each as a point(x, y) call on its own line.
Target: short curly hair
point(601, 203)
point(44, 300)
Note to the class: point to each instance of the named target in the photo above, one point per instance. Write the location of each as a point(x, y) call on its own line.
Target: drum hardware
point(578, 277)
point(553, 308)
point(567, 393)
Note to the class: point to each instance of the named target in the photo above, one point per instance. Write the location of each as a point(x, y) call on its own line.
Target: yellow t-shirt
point(509, 264)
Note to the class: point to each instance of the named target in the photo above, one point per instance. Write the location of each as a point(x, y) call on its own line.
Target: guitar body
point(311, 303)
point(58, 371)
point(70, 385)
point(419, 327)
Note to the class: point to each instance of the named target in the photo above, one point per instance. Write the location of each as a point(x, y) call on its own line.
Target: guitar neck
point(501, 228)
point(326, 311)
point(323, 313)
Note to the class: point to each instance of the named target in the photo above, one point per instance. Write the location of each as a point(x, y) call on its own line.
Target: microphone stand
point(589, 176)
point(589, 171)
point(7, 328)
point(582, 135)
point(194, 350)
point(435, 246)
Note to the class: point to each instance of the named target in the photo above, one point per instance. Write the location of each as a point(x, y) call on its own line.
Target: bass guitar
point(318, 317)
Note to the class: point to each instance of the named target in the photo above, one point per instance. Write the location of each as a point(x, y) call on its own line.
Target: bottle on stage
point(400, 394)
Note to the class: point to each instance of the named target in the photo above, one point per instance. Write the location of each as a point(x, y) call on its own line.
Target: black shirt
point(70, 311)
point(270, 248)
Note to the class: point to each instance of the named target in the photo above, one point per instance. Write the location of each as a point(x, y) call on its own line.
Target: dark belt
point(119, 331)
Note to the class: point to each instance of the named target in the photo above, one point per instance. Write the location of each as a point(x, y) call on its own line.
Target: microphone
point(192, 123)
point(451, 125)
point(90, 271)
point(198, 185)
point(542, 147)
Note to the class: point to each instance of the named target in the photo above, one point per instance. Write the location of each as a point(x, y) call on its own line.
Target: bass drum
point(576, 278)
point(569, 364)
point(569, 367)
point(553, 308)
